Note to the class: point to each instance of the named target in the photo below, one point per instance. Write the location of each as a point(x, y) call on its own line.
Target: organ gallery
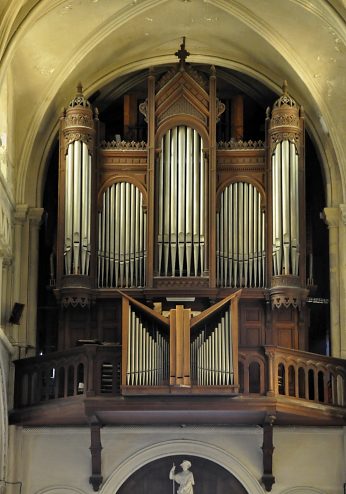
point(181, 267)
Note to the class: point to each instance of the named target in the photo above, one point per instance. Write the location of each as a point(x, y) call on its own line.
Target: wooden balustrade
point(94, 370)
point(89, 370)
point(308, 376)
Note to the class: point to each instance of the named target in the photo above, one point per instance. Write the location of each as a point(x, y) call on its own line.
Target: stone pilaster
point(332, 219)
point(34, 217)
point(342, 271)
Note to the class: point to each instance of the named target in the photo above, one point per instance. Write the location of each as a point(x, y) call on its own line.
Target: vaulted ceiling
point(48, 46)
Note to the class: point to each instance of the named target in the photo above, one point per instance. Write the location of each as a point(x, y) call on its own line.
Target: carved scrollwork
point(280, 119)
point(182, 106)
point(220, 108)
point(277, 137)
point(143, 108)
point(72, 136)
point(78, 119)
point(285, 101)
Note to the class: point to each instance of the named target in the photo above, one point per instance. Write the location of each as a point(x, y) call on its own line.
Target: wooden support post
point(180, 372)
point(130, 117)
point(237, 117)
point(95, 449)
point(268, 478)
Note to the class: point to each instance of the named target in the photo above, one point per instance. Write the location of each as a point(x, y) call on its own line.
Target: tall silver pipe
point(69, 209)
point(76, 205)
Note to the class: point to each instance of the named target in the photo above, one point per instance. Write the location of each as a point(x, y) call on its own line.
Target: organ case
point(182, 215)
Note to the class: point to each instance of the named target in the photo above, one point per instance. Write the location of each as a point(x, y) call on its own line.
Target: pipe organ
point(186, 218)
point(285, 209)
point(122, 237)
point(181, 204)
point(211, 353)
point(147, 352)
point(240, 241)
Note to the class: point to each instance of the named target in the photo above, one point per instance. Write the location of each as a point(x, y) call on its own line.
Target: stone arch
point(60, 489)
point(182, 447)
point(302, 490)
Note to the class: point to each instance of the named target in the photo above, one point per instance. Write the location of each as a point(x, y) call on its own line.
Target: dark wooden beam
point(268, 478)
point(95, 449)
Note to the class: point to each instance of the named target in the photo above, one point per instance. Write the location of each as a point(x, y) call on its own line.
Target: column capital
point(331, 217)
point(35, 215)
point(343, 213)
point(20, 213)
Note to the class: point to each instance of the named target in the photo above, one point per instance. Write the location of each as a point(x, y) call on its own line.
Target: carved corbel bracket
point(268, 478)
point(95, 449)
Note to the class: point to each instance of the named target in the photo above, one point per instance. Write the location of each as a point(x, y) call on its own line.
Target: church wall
point(58, 460)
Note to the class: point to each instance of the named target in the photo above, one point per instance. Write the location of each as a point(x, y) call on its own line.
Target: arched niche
point(208, 477)
point(198, 453)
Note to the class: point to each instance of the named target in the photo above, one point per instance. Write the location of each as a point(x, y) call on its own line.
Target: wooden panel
point(251, 324)
point(286, 338)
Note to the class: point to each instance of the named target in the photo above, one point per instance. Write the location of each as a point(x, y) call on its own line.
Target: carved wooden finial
point(284, 87)
point(182, 54)
point(79, 88)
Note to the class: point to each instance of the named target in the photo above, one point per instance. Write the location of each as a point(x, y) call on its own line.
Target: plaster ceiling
point(48, 46)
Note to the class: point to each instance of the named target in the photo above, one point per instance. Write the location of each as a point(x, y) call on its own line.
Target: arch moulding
point(181, 447)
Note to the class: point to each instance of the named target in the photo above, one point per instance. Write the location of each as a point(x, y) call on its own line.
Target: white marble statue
point(184, 479)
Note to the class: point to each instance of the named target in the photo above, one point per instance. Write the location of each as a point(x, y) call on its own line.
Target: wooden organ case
point(181, 251)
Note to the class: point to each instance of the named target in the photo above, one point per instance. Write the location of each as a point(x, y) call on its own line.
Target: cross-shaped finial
point(182, 54)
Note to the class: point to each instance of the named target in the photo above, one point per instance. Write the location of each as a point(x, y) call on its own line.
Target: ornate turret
point(286, 201)
point(78, 129)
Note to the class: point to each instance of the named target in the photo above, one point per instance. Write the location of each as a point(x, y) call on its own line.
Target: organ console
point(182, 215)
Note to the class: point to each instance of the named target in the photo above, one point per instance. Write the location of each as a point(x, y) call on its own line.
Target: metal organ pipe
point(181, 203)
point(285, 209)
point(240, 237)
point(122, 237)
point(211, 354)
point(147, 353)
point(77, 209)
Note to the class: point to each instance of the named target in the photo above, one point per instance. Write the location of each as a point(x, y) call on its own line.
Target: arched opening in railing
point(301, 383)
point(281, 379)
point(80, 379)
point(311, 381)
point(291, 381)
point(254, 377)
point(241, 377)
point(70, 381)
point(320, 386)
point(61, 382)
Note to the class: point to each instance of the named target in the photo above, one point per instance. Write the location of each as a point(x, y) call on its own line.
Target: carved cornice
point(286, 291)
point(84, 135)
point(233, 144)
point(82, 301)
point(124, 145)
